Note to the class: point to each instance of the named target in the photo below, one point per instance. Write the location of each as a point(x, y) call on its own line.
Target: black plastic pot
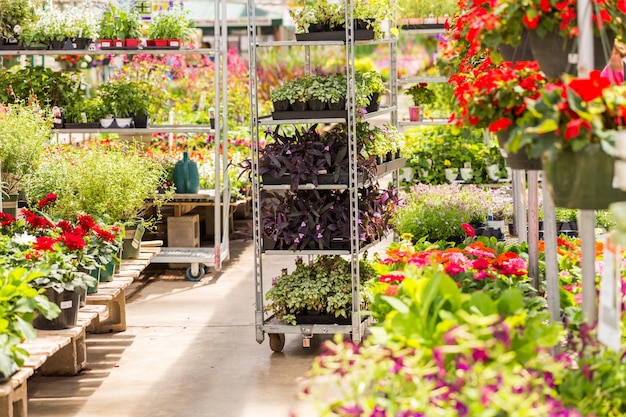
point(68, 302)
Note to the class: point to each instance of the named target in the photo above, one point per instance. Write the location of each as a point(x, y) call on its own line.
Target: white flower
point(24, 239)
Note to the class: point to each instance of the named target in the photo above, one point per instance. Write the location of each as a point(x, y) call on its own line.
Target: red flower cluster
point(492, 96)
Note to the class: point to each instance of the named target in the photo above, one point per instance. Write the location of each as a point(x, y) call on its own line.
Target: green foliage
point(91, 108)
point(171, 24)
point(420, 94)
point(47, 87)
point(119, 24)
point(112, 184)
point(430, 150)
point(126, 98)
point(15, 15)
point(324, 285)
point(426, 8)
point(24, 131)
point(436, 212)
point(19, 303)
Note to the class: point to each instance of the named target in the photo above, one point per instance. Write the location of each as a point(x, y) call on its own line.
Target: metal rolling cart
point(275, 328)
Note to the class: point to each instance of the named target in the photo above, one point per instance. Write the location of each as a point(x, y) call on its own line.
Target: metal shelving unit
point(216, 255)
point(276, 329)
point(428, 80)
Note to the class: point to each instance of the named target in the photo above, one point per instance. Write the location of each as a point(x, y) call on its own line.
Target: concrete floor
point(189, 351)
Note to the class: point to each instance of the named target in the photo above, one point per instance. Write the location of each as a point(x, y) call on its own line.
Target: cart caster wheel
point(192, 277)
point(277, 341)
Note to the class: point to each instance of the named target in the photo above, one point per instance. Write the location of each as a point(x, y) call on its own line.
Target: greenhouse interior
point(160, 162)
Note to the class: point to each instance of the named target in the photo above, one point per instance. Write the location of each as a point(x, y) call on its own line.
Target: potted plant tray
point(309, 114)
point(310, 317)
point(162, 44)
point(94, 125)
point(336, 35)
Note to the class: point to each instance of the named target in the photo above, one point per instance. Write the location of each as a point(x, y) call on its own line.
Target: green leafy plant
point(436, 212)
point(14, 16)
point(19, 303)
point(24, 131)
point(43, 85)
point(126, 98)
point(119, 24)
point(420, 94)
point(323, 286)
point(85, 110)
point(112, 183)
point(171, 24)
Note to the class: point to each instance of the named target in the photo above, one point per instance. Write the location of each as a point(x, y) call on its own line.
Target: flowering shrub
point(493, 96)
point(570, 116)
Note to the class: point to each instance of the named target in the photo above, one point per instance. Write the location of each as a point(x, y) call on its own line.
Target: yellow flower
point(446, 162)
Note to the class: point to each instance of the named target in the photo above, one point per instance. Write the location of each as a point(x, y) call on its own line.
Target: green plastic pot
point(582, 180)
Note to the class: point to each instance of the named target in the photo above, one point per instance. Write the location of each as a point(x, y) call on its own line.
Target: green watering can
point(186, 177)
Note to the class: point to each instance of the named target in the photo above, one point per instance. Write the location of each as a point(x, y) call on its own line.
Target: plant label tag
point(138, 235)
point(64, 305)
point(609, 316)
point(83, 117)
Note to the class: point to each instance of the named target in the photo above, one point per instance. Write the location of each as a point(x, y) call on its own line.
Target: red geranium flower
point(590, 88)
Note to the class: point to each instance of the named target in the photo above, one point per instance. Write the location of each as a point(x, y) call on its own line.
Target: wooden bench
point(112, 294)
point(52, 352)
point(63, 352)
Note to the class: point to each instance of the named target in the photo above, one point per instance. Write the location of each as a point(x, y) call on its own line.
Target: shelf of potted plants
point(343, 221)
point(125, 25)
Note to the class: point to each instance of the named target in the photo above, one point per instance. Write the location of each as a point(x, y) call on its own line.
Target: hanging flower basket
point(582, 180)
point(517, 160)
point(553, 50)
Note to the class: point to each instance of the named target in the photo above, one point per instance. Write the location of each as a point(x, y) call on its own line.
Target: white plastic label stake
point(609, 316)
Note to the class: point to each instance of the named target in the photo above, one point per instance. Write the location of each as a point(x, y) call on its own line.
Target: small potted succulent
point(170, 28)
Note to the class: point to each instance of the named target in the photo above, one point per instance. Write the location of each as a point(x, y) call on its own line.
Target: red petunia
point(500, 124)
point(49, 198)
point(621, 5)
point(36, 222)
point(104, 234)
point(531, 22)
